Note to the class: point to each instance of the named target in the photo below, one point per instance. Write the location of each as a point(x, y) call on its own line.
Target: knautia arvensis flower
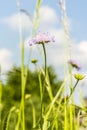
point(41, 38)
point(74, 64)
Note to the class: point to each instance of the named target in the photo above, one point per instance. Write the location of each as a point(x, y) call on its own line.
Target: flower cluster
point(41, 38)
point(74, 64)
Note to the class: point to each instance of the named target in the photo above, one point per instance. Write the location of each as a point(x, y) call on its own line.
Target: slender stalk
point(41, 94)
point(7, 125)
point(78, 121)
point(55, 98)
point(71, 117)
point(72, 90)
point(36, 18)
point(65, 118)
point(74, 119)
point(8, 117)
point(18, 122)
point(45, 59)
point(40, 83)
point(45, 67)
point(33, 114)
point(0, 96)
point(22, 70)
point(22, 85)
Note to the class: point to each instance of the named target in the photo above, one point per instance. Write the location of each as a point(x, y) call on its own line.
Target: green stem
point(0, 100)
point(8, 117)
point(22, 116)
point(22, 85)
point(7, 126)
point(41, 95)
point(72, 90)
point(18, 122)
point(36, 21)
point(71, 117)
point(42, 87)
point(0, 96)
point(45, 60)
point(33, 114)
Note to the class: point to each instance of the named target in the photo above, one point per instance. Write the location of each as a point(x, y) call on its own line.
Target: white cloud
point(16, 19)
point(83, 47)
point(48, 17)
point(59, 35)
point(5, 59)
point(80, 52)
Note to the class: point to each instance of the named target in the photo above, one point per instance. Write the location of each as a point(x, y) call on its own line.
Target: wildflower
point(41, 38)
point(34, 61)
point(79, 76)
point(74, 64)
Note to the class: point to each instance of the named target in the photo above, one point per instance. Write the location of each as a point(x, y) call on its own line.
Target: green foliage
point(12, 94)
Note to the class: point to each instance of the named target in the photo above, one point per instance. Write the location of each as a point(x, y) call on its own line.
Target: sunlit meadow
point(35, 99)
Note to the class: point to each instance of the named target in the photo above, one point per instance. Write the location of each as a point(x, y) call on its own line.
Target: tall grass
point(0, 97)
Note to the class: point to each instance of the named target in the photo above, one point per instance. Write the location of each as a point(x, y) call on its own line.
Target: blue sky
point(50, 13)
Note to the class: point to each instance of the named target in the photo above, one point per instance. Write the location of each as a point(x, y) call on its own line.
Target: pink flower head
point(74, 64)
point(41, 38)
